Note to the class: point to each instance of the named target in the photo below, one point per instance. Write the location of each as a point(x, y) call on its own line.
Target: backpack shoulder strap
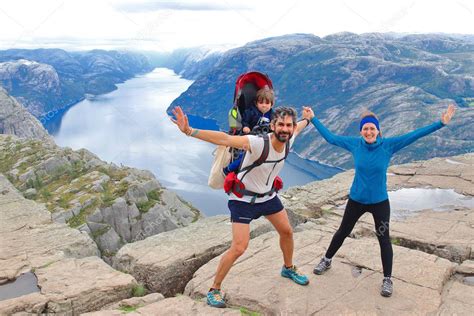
point(287, 149)
point(263, 157)
point(266, 150)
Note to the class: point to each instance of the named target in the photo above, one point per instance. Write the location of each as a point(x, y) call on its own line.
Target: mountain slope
point(48, 81)
point(15, 120)
point(406, 80)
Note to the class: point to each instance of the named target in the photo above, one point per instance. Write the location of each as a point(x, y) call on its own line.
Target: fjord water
point(130, 126)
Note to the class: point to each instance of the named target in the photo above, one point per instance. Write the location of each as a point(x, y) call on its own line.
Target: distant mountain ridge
point(189, 63)
point(407, 80)
point(46, 81)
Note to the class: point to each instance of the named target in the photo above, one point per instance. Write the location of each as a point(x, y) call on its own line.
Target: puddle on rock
point(356, 271)
point(406, 202)
point(25, 284)
point(469, 280)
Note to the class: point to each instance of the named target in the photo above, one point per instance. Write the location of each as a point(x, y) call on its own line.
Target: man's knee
point(238, 249)
point(286, 232)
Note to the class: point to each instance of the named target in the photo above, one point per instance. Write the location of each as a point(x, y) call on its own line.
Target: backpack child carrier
point(245, 94)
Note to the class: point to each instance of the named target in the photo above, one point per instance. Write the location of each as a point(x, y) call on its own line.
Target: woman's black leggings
point(381, 213)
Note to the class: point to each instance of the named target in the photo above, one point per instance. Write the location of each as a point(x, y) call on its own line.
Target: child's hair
point(368, 113)
point(265, 94)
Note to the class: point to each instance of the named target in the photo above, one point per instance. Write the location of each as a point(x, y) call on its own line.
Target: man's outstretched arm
point(214, 137)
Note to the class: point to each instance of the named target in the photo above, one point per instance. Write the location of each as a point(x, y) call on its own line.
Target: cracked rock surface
point(71, 277)
point(180, 305)
point(432, 253)
point(255, 282)
point(167, 261)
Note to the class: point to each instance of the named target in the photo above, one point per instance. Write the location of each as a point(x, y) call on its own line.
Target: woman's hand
point(308, 113)
point(448, 114)
point(181, 120)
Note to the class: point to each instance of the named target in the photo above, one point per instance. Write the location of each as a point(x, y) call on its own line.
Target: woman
point(368, 193)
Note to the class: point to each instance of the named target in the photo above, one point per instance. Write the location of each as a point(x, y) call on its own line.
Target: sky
point(167, 25)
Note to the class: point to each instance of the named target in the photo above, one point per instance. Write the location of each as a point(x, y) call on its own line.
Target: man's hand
point(181, 120)
point(308, 113)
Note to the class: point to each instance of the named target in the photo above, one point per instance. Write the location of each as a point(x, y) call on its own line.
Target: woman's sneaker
point(387, 287)
point(322, 266)
point(292, 273)
point(215, 299)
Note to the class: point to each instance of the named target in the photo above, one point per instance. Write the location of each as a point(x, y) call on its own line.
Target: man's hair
point(282, 112)
point(265, 94)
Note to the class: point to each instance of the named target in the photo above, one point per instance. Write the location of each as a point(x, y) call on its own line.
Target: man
point(259, 197)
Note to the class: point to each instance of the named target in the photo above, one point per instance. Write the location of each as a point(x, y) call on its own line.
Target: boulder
point(179, 306)
point(458, 299)
point(467, 267)
point(448, 234)
point(73, 286)
point(119, 216)
point(71, 276)
point(136, 301)
point(136, 194)
point(30, 193)
point(165, 262)
point(444, 173)
point(54, 164)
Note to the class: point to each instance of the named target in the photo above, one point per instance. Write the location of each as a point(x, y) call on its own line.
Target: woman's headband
point(369, 119)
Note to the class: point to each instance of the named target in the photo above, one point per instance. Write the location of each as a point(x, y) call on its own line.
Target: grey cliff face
point(114, 205)
point(16, 120)
point(29, 75)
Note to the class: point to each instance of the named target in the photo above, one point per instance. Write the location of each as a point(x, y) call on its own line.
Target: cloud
point(149, 6)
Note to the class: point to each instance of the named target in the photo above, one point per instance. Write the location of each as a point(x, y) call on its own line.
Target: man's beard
point(283, 139)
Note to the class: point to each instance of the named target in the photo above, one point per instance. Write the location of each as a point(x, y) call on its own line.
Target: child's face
point(264, 105)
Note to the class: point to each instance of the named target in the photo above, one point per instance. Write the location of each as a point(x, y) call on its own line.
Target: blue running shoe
point(214, 299)
point(292, 273)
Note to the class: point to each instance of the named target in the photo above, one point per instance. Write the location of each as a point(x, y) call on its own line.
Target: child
point(261, 113)
point(255, 117)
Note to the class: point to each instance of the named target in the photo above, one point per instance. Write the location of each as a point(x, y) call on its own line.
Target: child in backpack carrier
point(259, 116)
point(255, 119)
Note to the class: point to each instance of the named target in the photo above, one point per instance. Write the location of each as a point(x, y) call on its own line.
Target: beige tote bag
point(222, 157)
